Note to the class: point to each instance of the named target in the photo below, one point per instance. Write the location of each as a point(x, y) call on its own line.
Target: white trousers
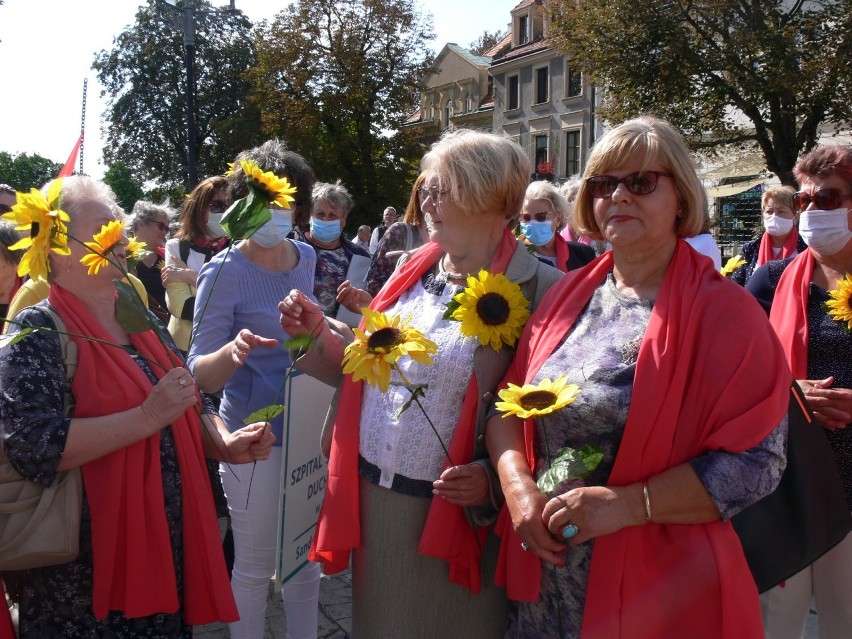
point(255, 529)
point(828, 581)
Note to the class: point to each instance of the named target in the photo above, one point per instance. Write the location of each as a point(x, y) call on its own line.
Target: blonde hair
point(783, 195)
point(653, 140)
point(485, 172)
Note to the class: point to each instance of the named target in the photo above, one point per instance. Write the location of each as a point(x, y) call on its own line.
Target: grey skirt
point(398, 593)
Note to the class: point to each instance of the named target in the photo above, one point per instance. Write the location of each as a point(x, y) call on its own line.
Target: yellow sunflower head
point(135, 251)
point(273, 188)
point(109, 238)
point(732, 265)
point(492, 309)
point(380, 345)
point(839, 306)
point(47, 227)
point(530, 401)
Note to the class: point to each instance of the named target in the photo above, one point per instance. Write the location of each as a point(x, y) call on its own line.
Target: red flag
point(68, 169)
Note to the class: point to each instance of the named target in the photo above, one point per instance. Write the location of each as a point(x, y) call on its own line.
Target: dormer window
point(523, 29)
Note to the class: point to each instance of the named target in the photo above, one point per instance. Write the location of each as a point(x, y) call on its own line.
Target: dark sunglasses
point(541, 216)
point(5, 208)
point(639, 183)
point(217, 207)
point(825, 199)
point(160, 225)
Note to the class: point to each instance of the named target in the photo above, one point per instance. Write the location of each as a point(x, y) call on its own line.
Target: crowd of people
point(530, 323)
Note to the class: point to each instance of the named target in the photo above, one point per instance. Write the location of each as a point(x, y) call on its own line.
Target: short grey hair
point(335, 194)
point(543, 190)
point(145, 211)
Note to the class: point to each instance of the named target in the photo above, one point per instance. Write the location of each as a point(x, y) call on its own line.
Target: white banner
point(303, 473)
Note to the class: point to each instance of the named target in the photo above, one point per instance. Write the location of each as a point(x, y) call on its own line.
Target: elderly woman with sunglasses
point(198, 238)
point(393, 501)
point(674, 396)
point(543, 216)
point(780, 238)
point(819, 351)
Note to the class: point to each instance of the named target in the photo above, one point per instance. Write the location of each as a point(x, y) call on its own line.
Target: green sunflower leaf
point(570, 464)
point(265, 414)
point(11, 340)
point(245, 216)
point(130, 311)
point(452, 305)
point(416, 390)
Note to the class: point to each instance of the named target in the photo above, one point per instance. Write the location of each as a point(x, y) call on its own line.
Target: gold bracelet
point(647, 500)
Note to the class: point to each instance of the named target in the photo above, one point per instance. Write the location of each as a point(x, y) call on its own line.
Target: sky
point(47, 48)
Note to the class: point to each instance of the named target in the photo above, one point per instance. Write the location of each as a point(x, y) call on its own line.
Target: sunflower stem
point(197, 324)
point(425, 414)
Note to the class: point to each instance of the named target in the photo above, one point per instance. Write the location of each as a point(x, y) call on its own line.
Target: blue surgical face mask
point(325, 230)
point(539, 233)
point(524, 229)
point(276, 229)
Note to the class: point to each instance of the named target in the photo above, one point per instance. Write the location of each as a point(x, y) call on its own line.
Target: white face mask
point(214, 226)
point(275, 230)
point(826, 232)
point(777, 225)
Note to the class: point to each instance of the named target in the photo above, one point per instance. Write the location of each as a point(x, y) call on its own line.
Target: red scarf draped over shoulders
point(789, 313)
point(700, 385)
point(134, 570)
point(447, 535)
point(788, 249)
point(562, 252)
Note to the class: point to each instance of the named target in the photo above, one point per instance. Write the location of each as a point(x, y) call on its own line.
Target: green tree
point(767, 72)
point(120, 179)
point(485, 42)
point(24, 171)
point(144, 75)
point(335, 80)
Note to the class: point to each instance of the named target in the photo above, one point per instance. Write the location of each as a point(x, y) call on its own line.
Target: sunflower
point(105, 242)
point(532, 401)
point(492, 309)
point(275, 189)
point(384, 341)
point(840, 304)
point(47, 227)
point(732, 265)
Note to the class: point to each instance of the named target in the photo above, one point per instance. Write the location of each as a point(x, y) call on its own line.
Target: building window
point(448, 113)
point(523, 29)
point(514, 92)
point(573, 81)
point(468, 103)
point(541, 85)
point(540, 151)
point(572, 153)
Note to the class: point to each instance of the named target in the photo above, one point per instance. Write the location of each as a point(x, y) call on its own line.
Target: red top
point(789, 248)
point(447, 534)
point(134, 569)
point(700, 385)
point(789, 314)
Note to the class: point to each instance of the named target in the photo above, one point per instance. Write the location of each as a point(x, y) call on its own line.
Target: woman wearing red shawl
point(819, 350)
point(543, 216)
point(393, 501)
point(150, 561)
point(674, 395)
point(780, 240)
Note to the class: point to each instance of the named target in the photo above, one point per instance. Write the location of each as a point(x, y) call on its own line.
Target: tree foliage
point(127, 189)
point(770, 72)
point(144, 75)
point(335, 80)
point(24, 171)
point(485, 42)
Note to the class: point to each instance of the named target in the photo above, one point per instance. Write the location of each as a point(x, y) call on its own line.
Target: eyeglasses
point(434, 192)
point(217, 207)
point(162, 226)
point(825, 199)
point(639, 183)
point(541, 216)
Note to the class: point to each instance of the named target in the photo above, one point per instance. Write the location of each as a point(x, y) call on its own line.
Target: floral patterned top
point(600, 355)
point(56, 601)
point(396, 238)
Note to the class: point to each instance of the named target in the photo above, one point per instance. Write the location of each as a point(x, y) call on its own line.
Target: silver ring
point(182, 381)
point(525, 545)
point(570, 531)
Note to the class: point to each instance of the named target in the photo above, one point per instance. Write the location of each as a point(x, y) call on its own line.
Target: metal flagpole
point(83, 124)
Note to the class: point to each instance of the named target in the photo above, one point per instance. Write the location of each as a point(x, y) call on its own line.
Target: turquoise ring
point(570, 531)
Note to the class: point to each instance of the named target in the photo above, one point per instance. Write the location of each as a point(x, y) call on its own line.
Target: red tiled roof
point(504, 43)
point(518, 52)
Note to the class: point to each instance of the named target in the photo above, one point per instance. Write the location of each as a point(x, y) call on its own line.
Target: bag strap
point(69, 356)
point(183, 249)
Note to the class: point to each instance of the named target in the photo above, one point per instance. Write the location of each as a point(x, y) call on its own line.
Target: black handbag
point(807, 514)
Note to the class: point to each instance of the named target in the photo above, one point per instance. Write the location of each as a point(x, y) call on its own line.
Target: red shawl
point(789, 314)
point(562, 253)
point(134, 568)
point(447, 534)
point(700, 385)
point(789, 248)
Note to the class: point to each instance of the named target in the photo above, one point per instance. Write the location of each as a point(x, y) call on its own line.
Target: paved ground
point(335, 613)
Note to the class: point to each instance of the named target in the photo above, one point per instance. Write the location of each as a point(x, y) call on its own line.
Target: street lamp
point(188, 25)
